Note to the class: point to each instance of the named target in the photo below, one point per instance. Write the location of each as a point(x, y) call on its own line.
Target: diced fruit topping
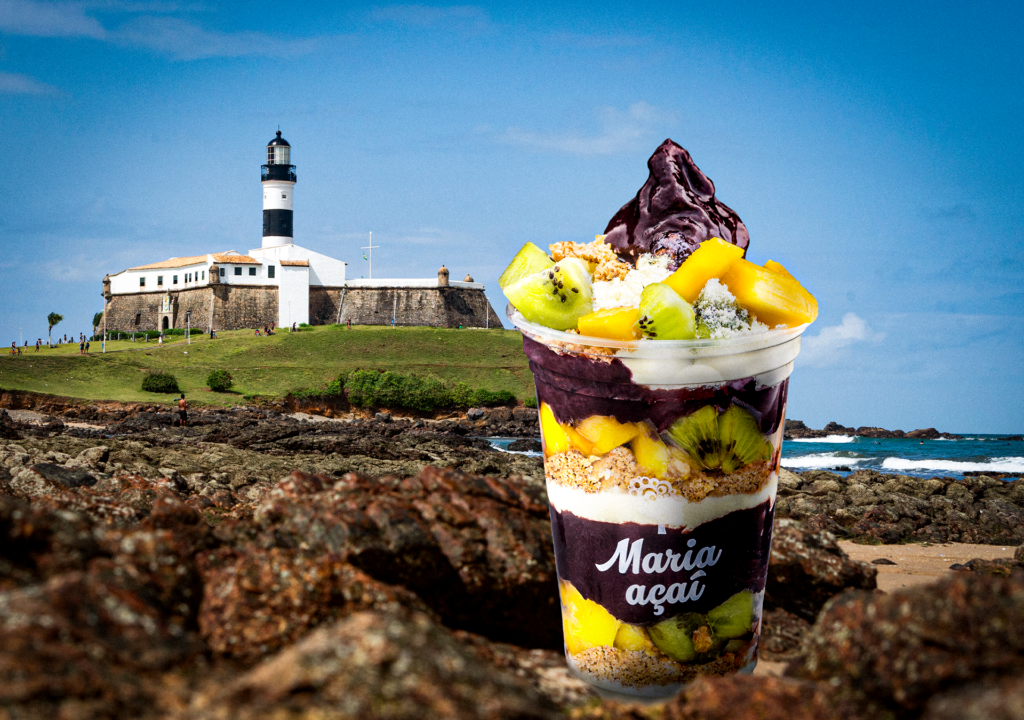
point(664, 315)
point(772, 297)
point(554, 437)
point(613, 323)
point(577, 440)
point(733, 618)
point(529, 260)
point(585, 623)
point(777, 267)
point(606, 433)
point(674, 636)
point(741, 440)
point(728, 441)
point(650, 452)
point(712, 259)
point(556, 297)
point(632, 637)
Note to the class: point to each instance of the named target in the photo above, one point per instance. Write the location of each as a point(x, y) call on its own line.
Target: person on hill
point(182, 413)
point(14, 348)
point(257, 332)
point(81, 347)
point(39, 343)
point(86, 347)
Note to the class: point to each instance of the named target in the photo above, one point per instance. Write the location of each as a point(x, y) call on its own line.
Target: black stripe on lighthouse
point(277, 223)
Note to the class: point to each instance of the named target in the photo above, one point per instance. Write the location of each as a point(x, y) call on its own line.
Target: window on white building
point(238, 271)
point(222, 272)
point(270, 271)
point(159, 280)
point(203, 276)
point(142, 282)
point(174, 279)
point(252, 271)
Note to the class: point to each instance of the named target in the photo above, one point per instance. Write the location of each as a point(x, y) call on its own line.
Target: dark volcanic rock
point(899, 649)
point(257, 601)
point(393, 665)
point(475, 550)
point(7, 429)
point(807, 568)
point(673, 212)
point(782, 634)
point(745, 697)
point(876, 507)
point(63, 476)
point(526, 445)
point(1001, 699)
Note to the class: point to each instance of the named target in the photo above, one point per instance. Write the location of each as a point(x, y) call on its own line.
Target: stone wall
point(436, 307)
point(234, 307)
point(136, 312)
point(239, 306)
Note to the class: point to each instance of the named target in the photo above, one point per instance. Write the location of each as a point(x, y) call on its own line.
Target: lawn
point(272, 366)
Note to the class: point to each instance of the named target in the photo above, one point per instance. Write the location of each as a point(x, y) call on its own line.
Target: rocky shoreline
point(796, 429)
point(271, 565)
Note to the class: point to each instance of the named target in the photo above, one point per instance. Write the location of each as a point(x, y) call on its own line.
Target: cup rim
point(736, 344)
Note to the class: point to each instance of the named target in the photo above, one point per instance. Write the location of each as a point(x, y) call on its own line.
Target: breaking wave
point(1000, 464)
point(827, 439)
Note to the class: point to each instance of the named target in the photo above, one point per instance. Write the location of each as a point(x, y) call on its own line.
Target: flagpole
point(370, 247)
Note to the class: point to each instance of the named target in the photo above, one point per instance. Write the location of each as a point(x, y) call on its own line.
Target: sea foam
point(828, 439)
point(819, 460)
point(999, 464)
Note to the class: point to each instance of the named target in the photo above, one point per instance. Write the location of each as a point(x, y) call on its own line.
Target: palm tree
point(96, 320)
point(53, 319)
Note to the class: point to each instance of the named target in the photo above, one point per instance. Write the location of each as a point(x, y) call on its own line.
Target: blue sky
point(874, 149)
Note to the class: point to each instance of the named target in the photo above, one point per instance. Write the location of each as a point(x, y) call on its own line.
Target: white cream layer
point(673, 511)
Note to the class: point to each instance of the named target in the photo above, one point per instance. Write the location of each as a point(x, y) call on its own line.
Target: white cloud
point(621, 131)
point(185, 40)
point(48, 19)
point(173, 36)
point(463, 17)
point(830, 344)
point(14, 84)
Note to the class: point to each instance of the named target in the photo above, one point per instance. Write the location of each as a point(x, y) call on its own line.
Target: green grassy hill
point(273, 366)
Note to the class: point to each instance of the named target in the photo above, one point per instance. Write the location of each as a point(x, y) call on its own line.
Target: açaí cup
point(661, 578)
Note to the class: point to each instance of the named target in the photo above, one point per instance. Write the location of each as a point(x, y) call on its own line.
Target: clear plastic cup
point(661, 460)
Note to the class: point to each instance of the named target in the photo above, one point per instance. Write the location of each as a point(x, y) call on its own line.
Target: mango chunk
point(712, 259)
point(612, 323)
point(777, 267)
point(651, 453)
point(631, 637)
point(773, 298)
point(606, 433)
point(585, 623)
point(579, 442)
point(554, 437)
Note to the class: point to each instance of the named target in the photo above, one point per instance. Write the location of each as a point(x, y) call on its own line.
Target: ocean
point(923, 458)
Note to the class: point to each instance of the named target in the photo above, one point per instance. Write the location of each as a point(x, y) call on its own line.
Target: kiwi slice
point(741, 440)
point(556, 297)
point(697, 434)
point(664, 315)
point(728, 441)
point(674, 636)
point(529, 260)
point(734, 617)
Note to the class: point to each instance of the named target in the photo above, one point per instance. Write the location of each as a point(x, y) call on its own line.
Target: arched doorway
point(167, 323)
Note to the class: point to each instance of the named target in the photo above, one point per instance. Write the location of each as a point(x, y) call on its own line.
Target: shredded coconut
point(719, 316)
point(625, 292)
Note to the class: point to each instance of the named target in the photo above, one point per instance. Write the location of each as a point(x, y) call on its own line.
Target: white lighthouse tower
point(278, 188)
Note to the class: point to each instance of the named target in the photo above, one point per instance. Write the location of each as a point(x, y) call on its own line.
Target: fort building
point(281, 283)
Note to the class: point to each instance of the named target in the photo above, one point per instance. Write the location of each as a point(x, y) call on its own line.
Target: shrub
point(369, 388)
point(219, 380)
point(530, 402)
point(159, 382)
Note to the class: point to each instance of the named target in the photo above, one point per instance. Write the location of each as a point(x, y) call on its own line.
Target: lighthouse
point(278, 188)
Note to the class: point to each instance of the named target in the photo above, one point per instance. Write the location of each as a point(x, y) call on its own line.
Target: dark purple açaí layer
point(576, 387)
point(739, 543)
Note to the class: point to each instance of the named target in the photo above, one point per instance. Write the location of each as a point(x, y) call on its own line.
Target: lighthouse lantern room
point(278, 187)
